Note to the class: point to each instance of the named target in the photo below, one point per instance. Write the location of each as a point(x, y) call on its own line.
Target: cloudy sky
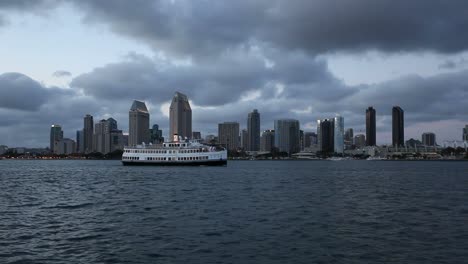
point(303, 59)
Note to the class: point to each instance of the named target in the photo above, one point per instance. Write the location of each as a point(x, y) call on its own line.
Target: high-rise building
point(348, 138)
point(398, 126)
point(267, 140)
point(79, 141)
point(428, 139)
point(138, 128)
point(114, 140)
point(88, 134)
point(310, 139)
point(64, 146)
point(253, 130)
point(56, 134)
point(465, 133)
point(228, 135)
point(244, 138)
point(371, 130)
point(196, 135)
point(287, 135)
point(338, 132)
point(100, 130)
point(301, 140)
point(180, 116)
point(156, 134)
point(360, 140)
point(327, 135)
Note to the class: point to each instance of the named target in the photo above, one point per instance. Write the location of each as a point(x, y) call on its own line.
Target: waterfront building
point(156, 135)
point(310, 139)
point(107, 136)
point(196, 135)
point(79, 141)
point(371, 131)
point(56, 134)
point(338, 133)
point(253, 131)
point(88, 134)
point(327, 135)
point(244, 137)
point(138, 128)
point(398, 127)
point(114, 141)
point(211, 139)
point(3, 149)
point(267, 140)
point(348, 138)
point(360, 140)
point(64, 146)
point(413, 143)
point(428, 139)
point(100, 130)
point(228, 135)
point(465, 133)
point(287, 135)
point(180, 116)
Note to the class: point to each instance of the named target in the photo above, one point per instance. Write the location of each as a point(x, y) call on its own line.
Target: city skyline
point(275, 59)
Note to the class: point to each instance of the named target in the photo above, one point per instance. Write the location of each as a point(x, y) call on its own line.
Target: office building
point(326, 129)
point(360, 140)
point(79, 141)
point(156, 135)
point(287, 135)
point(310, 139)
point(196, 135)
point(267, 140)
point(56, 134)
point(114, 141)
point(428, 139)
point(348, 138)
point(180, 116)
point(99, 140)
point(64, 146)
point(138, 128)
point(88, 134)
point(398, 127)
point(338, 132)
point(253, 130)
point(244, 137)
point(371, 131)
point(465, 133)
point(228, 135)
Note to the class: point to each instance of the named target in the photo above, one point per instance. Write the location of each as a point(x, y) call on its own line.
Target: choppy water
point(248, 212)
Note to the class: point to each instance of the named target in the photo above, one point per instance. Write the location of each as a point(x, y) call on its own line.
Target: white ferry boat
point(179, 152)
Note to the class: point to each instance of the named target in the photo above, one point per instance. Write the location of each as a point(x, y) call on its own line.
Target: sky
point(303, 59)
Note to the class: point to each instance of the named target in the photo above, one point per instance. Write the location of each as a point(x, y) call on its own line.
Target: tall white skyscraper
point(338, 135)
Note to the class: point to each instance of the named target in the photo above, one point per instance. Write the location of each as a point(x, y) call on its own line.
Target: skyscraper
point(428, 139)
point(360, 140)
point(267, 140)
point(244, 139)
point(253, 130)
point(156, 134)
point(287, 135)
point(398, 127)
point(338, 133)
point(138, 128)
point(56, 134)
point(370, 127)
point(465, 133)
point(327, 136)
point(88, 131)
point(348, 138)
point(228, 135)
point(180, 116)
point(310, 139)
point(79, 141)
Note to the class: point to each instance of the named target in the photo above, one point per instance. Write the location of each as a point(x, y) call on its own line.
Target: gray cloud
point(61, 73)
point(202, 28)
point(18, 91)
point(453, 64)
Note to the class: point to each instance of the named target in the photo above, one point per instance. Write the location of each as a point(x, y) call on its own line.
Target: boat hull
point(176, 163)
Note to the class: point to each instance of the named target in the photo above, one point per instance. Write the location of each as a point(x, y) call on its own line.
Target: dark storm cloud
point(201, 28)
point(211, 84)
point(453, 64)
point(18, 91)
